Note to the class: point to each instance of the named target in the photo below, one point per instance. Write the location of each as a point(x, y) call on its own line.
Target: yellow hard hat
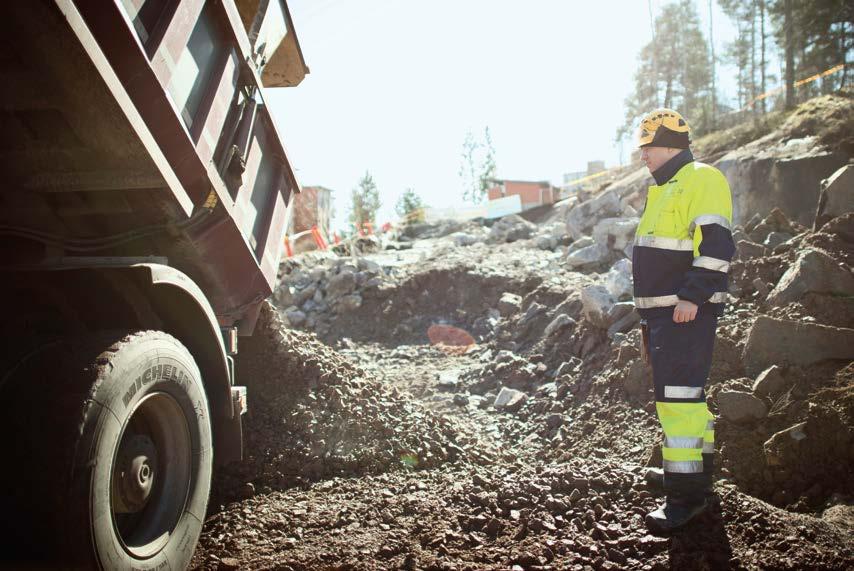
point(664, 128)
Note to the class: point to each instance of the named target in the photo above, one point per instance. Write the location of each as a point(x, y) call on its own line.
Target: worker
point(682, 252)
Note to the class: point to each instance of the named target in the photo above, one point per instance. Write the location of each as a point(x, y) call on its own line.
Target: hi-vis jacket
point(683, 245)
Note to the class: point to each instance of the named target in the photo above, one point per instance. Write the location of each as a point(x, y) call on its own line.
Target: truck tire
point(129, 443)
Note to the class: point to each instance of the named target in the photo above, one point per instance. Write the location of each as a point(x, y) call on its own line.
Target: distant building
point(531, 193)
point(312, 207)
point(575, 181)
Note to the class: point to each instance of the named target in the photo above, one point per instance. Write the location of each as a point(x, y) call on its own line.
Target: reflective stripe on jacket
point(683, 245)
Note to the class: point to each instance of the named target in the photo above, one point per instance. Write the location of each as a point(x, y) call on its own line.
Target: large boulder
point(511, 228)
point(837, 196)
point(748, 250)
point(587, 257)
point(779, 341)
point(738, 406)
point(816, 272)
point(636, 182)
point(509, 304)
point(770, 383)
point(560, 322)
point(584, 216)
point(596, 305)
point(602, 310)
point(619, 280)
point(510, 399)
point(615, 233)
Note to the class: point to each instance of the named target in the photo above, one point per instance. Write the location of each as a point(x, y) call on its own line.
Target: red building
point(531, 193)
point(312, 207)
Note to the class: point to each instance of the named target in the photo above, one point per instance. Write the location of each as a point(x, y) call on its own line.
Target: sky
point(395, 85)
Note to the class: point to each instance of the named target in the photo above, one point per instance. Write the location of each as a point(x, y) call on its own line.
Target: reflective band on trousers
point(683, 467)
point(711, 263)
point(671, 392)
point(704, 219)
point(665, 243)
point(667, 300)
point(683, 442)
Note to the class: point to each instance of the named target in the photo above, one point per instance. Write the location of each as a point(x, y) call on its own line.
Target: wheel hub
point(136, 471)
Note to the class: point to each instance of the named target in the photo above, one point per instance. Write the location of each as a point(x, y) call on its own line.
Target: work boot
point(654, 478)
point(674, 514)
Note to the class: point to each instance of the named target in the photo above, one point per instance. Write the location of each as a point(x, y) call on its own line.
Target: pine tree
point(365, 202)
point(410, 206)
point(676, 64)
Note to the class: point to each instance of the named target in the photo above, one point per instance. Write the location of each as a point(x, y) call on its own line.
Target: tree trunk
point(713, 122)
point(790, 55)
point(762, 61)
point(654, 52)
point(753, 93)
point(842, 48)
point(668, 93)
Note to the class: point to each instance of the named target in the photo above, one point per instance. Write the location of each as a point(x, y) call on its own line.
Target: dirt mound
point(313, 414)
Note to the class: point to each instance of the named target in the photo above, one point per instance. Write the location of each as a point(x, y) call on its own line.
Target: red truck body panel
point(138, 128)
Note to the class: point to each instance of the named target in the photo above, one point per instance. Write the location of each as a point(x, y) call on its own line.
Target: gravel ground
point(375, 446)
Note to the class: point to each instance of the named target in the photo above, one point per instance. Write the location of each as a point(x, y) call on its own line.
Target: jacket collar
point(666, 171)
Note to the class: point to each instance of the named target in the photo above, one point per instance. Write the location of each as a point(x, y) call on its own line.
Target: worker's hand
point(684, 311)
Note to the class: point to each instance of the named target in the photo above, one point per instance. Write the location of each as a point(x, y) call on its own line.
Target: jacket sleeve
point(710, 225)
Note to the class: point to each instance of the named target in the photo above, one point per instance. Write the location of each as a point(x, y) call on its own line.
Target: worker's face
point(654, 157)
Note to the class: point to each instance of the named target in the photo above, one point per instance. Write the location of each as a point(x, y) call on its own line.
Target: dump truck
point(145, 197)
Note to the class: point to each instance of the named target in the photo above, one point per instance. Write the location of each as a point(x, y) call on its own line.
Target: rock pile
point(313, 414)
point(311, 295)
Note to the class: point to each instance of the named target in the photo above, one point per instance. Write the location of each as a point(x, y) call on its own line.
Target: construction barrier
point(316, 235)
point(798, 83)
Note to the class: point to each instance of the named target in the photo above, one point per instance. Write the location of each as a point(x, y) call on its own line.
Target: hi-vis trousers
point(681, 357)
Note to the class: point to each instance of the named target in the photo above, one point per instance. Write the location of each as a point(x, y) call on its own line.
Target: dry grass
point(828, 117)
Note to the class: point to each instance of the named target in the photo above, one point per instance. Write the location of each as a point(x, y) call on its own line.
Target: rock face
point(769, 173)
point(584, 216)
point(738, 406)
point(816, 272)
point(837, 196)
point(778, 341)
